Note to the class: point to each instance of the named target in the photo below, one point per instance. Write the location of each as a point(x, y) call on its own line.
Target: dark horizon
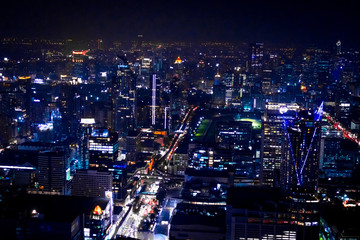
point(278, 23)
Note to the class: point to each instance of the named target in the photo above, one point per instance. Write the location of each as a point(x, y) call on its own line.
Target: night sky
point(277, 22)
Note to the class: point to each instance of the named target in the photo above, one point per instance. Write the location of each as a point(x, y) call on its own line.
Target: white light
point(16, 167)
point(46, 126)
point(283, 110)
point(87, 121)
point(153, 105)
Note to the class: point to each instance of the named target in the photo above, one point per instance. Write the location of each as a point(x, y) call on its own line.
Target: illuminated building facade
point(234, 135)
point(256, 58)
point(83, 136)
point(273, 140)
point(301, 154)
point(79, 56)
point(123, 98)
point(153, 100)
point(103, 149)
point(103, 156)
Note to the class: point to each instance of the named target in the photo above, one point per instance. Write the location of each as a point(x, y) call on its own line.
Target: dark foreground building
point(54, 217)
point(264, 213)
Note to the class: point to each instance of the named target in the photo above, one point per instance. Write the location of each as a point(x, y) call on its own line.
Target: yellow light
point(97, 210)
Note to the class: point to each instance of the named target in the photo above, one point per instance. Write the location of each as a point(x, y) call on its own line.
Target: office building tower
point(301, 153)
point(178, 102)
point(52, 171)
point(91, 183)
point(273, 140)
point(153, 100)
point(343, 111)
point(132, 145)
point(256, 58)
point(84, 133)
point(219, 94)
point(266, 83)
point(103, 149)
point(123, 98)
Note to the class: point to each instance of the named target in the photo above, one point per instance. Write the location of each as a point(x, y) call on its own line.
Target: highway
point(179, 135)
point(346, 133)
point(134, 222)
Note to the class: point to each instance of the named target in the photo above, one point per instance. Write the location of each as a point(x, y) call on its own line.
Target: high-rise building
point(91, 183)
point(219, 95)
point(123, 98)
point(273, 140)
point(259, 212)
point(338, 47)
point(153, 100)
point(84, 134)
point(301, 153)
point(256, 58)
point(52, 171)
point(103, 149)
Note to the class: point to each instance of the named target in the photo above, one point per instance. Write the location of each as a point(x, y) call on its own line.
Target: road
point(136, 222)
point(142, 207)
point(179, 135)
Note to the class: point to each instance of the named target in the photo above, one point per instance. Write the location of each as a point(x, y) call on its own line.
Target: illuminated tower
point(179, 68)
point(123, 97)
point(338, 47)
point(256, 58)
point(301, 154)
point(100, 44)
point(153, 100)
point(273, 140)
point(103, 149)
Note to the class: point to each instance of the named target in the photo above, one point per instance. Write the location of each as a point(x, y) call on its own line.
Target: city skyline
point(279, 22)
point(179, 120)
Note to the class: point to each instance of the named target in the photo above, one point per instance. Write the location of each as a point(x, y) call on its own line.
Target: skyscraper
point(338, 47)
point(273, 140)
point(52, 171)
point(256, 58)
point(301, 154)
point(103, 149)
point(123, 97)
point(91, 183)
point(153, 100)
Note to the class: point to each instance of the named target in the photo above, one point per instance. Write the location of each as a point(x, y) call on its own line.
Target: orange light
point(178, 61)
point(24, 77)
point(97, 210)
point(160, 133)
point(80, 52)
point(303, 87)
point(151, 163)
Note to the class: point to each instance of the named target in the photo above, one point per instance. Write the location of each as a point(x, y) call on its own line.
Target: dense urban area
point(178, 140)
